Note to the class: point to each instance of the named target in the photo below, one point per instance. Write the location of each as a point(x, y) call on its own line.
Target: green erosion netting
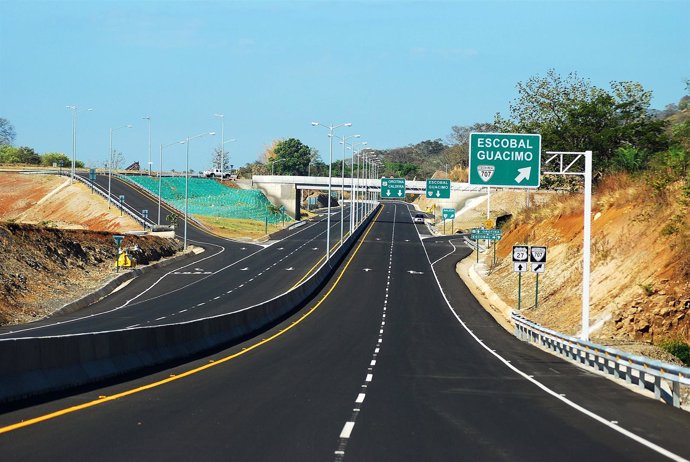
point(210, 198)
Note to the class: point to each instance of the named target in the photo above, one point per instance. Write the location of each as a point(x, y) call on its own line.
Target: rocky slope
point(44, 265)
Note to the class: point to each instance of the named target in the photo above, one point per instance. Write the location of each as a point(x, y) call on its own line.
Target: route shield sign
point(505, 159)
point(537, 258)
point(520, 258)
point(437, 189)
point(392, 188)
point(449, 214)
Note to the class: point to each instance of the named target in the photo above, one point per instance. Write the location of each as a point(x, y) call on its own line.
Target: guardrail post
point(657, 387)
point(640, 381)
point(676, 393)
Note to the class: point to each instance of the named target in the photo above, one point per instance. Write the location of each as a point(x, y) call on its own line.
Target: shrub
point(677, 348)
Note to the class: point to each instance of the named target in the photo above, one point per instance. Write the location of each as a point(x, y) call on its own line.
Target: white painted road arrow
point(289, 269)
point(415, 272)
point(523, 174)
point(244, 269)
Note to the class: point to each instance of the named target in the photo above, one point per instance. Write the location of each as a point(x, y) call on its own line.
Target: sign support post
point(587, 223)
point(536, 293)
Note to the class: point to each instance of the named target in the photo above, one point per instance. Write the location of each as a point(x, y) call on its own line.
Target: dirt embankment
point(54, 201)
point(640, 272)
point(69, 249)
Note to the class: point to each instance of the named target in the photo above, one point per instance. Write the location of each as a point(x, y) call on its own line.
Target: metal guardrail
point(135, 214)
point(637, 370)
point(474, 245)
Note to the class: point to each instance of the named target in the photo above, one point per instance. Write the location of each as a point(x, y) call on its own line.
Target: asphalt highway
point(393, 360)
point(228, 276)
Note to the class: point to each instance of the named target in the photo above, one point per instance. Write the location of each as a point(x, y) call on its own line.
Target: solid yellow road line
point(334, 246)
point(173, 378)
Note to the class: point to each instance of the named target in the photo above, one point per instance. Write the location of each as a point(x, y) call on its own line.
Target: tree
point(26, 155)
point(57, 158)
point(573, 115)
point(118, 160)
point(216, 160)
point(7, 133)
point(291, 157)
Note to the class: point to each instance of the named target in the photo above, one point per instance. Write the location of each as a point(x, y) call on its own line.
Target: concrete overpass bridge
point(287, 190)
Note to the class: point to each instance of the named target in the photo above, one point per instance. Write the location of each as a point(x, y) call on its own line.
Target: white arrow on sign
point(399, 193)
point(388, 193)
point(523, 174)
point(438, 193)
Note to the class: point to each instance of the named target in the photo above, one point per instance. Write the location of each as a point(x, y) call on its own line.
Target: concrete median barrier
point(36, 366)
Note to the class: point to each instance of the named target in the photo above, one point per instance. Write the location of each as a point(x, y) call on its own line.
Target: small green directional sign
point(488, 234)
point(437, 189)
point(392, 188)
point(505, 159)
point(448, 214)
point(118, 240)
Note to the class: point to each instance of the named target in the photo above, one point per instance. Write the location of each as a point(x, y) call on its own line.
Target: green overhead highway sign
point(437, 189)
point(505, 159)
point(449, 214)
point(392, 188)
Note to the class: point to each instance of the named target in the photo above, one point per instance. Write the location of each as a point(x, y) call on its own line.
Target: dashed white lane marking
point(201, 304)
point(349, 425)
point(347, 430)
point(182, 311)
point(217, 297)
point(162, 317)
point(133, 325)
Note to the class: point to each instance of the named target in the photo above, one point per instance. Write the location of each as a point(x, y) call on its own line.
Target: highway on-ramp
point(228, 276)
point(393, 360)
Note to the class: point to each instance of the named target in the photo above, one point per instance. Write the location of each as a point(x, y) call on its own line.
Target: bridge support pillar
point(298, 203)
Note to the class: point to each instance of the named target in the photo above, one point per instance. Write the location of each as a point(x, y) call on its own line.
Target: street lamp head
point(128, 126)
point(349, 124)
point(356, 136)
point(313, 124)
point(219, 115)
point(211, 133)
point(145, 117)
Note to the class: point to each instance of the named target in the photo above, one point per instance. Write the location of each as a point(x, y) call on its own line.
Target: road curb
point(114, 283)
point(490, 301)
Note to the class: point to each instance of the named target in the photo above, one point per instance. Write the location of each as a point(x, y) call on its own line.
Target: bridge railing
point(370, 183)
point(644, 372)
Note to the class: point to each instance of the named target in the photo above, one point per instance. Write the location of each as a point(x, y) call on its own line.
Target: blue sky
point(400, 71)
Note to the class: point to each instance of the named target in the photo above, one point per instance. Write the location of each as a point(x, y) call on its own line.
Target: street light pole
point(330, 172)
point(160, 177)
point(342, 185)
point(352, 192)
point(148, 118)
point(110, 160)
point(222, 144)
point(186, 183)
point(74, 110)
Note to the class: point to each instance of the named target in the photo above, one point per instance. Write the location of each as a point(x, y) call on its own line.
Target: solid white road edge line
point(587, 412)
